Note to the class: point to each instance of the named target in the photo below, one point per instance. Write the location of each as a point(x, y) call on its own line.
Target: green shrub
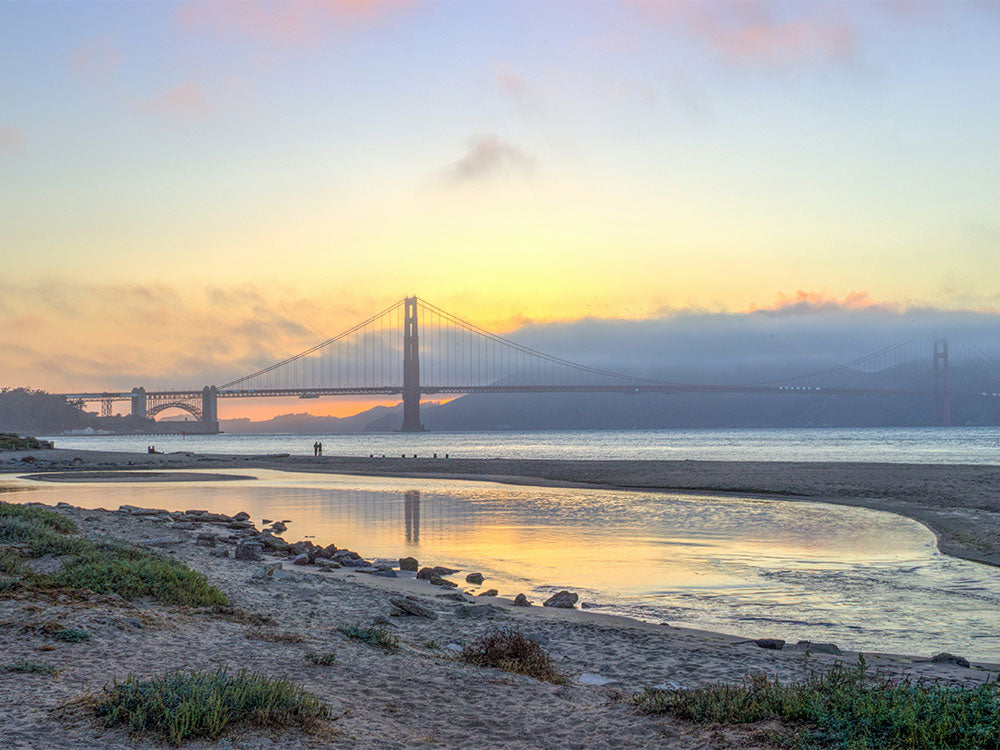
point(185, 705)
point(27, 666)
point(11, 441)
point(72, 635)
point(512, 651)
point(104, 567)
point(41, 516)
point(373, 636)
point(845, 708)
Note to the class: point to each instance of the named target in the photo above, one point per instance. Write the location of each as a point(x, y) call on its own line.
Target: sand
point(419, 697)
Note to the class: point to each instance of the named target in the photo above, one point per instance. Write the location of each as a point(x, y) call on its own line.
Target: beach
point(420, 696)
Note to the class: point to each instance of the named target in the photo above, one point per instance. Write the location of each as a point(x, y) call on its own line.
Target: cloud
point(803, 302)
point(759, 32)
point(98, 59)
point(11, 139)
point(489, 157)
point(180, 101)
point(293, 22)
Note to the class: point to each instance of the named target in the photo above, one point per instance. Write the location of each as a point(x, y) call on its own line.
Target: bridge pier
point(411, 369)
point(210, 405)
point(139, 403)
point(942, 399)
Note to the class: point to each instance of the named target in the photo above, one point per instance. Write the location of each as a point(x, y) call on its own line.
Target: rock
point(385, 573)
point(350, 562)
point(278, 526)
point(945, 658)
point(477, 611)
point(438, 581)
point(588, 605)
point(476, 578)
point(521, 601)
point(562, 600)
point(184, 525)
point(265, 520)
point(775, 644)
point(408, 563)
point(383, 620)
point(426, 574)
point(454, 648)
point(267, 570)
point(220, 552)
point(455, 596)
point(443, 571)
point(239, 525)
point(488, 592)
point(589, 678)
point(818, 648)
point(271, 541)
point(249, 551)
point(195, 512)
point(210, 542)
point(326, 564)
point(242, 516)
point(302, 559)
point(672, 685)
point(410, 607)
point(345, 554)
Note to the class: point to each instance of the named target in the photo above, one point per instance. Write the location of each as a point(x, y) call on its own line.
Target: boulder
point(945, 658)
point(267, 570)
point(219, 552)
point(385, 572)
point(271, 541)
point(355, 562)
point(242, 516)
point(408, 563)
point(775, 644)
point(195, 512)
point(413, 608)
point(426, 574)
point(476, 578)
point(239, 525)
point(441, 570)
point(438, 581)
point(325, 564)
point(278, 526)
point(249, 551)
point(521, 601)
point(488, 592)
point(301, 559)
point(562, 600)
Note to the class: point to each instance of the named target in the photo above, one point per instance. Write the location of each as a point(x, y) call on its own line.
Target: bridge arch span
point(191, 409)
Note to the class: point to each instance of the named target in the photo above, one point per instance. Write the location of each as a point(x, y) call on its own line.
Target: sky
point(190, 190)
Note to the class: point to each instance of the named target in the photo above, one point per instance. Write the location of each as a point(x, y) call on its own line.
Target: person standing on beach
point(321, 449)
point(315, 448)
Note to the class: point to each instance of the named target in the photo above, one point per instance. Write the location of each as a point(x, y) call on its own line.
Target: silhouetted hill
point(305, 424)
point(38, 413)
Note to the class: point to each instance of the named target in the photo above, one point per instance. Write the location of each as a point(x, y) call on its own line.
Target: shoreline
point(958, 503)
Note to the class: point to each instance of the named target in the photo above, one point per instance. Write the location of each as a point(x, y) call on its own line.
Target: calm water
point(895, 445)
point(858, 577)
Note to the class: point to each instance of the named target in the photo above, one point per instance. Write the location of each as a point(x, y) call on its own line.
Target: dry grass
point(512, 651)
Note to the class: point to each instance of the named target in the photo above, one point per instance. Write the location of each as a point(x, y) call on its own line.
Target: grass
point(432, 645)
point(181, 706)
point(324, 660)
point(28, 666)
point(373, 636)
point(512, 651)
point(104, 567)
point(845, 708)
point(72, 635)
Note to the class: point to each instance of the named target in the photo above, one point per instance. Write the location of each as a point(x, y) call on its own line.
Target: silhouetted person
point(321, 449)
point(315, 448)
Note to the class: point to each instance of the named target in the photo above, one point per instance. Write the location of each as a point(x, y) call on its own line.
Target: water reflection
point(753, 567)
point(411, 507)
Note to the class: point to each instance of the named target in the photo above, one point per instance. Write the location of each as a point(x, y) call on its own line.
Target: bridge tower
point(411, 368)
point(942, 401)
point(139, 403)
point(210, 405)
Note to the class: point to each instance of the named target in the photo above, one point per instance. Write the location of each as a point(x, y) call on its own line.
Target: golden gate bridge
point(413, 348)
